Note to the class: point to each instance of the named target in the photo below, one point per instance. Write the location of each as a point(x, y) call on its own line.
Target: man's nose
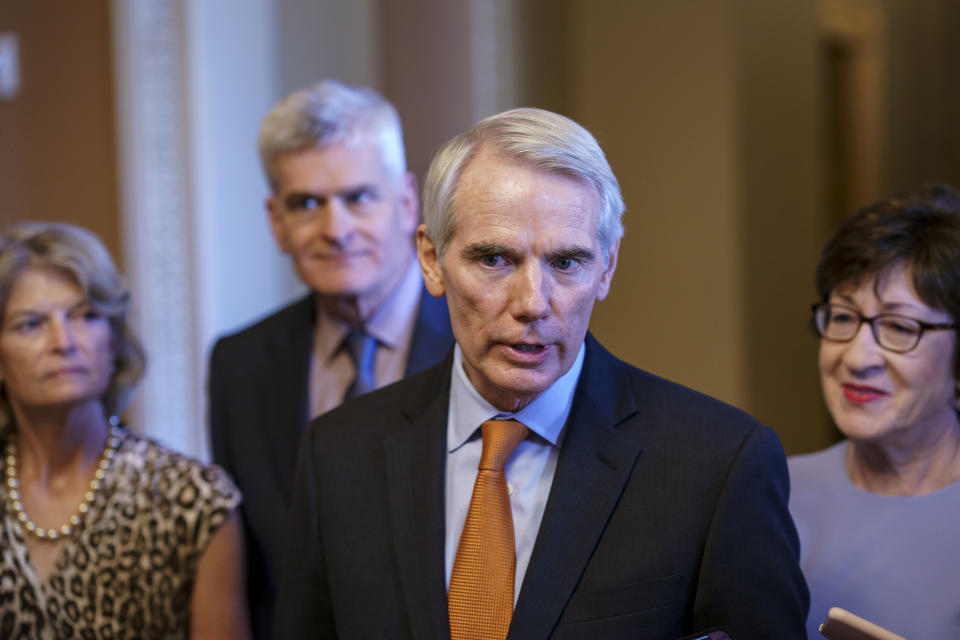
point(530, 293)
point(336, 221)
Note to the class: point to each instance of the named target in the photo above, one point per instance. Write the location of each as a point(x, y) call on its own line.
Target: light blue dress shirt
point(529, 470)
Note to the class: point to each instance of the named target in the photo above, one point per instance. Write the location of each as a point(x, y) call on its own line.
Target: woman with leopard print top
point(103, 534)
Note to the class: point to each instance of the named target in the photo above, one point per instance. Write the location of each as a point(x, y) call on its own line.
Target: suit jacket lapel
point(432, 337)
point(415, 462)
point(595, 462)
point(285, 382)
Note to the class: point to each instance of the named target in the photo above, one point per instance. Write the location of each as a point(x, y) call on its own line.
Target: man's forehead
point(494, 175)
point(485, 231)
point(359, 144)
point(514, 191)
point(488, 154)
point(349, 163)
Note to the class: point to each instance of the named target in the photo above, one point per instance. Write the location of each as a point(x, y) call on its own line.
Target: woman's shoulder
point(145, 463)
point(831, 457)
point(818, 470)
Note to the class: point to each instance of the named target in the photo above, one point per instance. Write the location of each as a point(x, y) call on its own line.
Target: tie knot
point(361, 347)
point(500, 438)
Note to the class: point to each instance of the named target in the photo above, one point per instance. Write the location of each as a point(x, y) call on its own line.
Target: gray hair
point(541, 139)
point(80, 254)
point(328, 113)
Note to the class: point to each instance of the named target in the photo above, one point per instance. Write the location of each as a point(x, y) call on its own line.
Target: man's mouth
point(342, 255)
point(527, 348)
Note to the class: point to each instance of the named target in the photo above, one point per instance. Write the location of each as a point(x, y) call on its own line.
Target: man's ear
point(605, 279)
point(429, 262)
point(276, 224)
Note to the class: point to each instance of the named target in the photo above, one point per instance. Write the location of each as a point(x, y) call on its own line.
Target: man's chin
point(339, 284)
point(516, 390)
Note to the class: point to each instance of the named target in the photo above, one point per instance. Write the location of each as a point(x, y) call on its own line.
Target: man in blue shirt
point(634, 507)
point(344, 208)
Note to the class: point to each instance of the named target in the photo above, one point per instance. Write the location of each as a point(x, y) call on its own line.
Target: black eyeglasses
point(892, 331)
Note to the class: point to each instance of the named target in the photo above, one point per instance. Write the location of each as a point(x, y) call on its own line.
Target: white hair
point(537, 138)
point(329, 113)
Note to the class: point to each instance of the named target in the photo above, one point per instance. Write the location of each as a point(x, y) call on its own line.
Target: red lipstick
point(859, 394)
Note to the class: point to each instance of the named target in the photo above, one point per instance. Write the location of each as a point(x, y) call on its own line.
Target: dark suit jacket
point(258, 385)
point(667, 514)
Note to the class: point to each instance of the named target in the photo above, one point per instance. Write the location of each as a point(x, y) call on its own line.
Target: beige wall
point(710, 113)
point(712, 116)
point(655, 83)
point(923, 94)
point(427, 72)
point(781, 205)
point(57, 154)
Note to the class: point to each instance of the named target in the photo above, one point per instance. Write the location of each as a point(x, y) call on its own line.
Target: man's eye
point(360, 197)
point(564, 263)
point(303, 203)
point(88, 315)
point(492, 260)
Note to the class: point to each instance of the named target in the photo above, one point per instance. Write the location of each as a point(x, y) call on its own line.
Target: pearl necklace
point(16, 503)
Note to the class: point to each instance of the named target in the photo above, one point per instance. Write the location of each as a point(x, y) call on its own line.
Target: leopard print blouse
point(128, 572)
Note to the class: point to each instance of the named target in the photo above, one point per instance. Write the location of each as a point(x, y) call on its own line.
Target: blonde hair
point(81, 255)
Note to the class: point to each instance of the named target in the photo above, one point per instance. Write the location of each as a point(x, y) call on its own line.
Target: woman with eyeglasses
point(878, 514)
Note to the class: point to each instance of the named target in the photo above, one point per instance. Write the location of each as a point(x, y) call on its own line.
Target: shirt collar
point(401, 303)
point(382, 325)
point(546, 415)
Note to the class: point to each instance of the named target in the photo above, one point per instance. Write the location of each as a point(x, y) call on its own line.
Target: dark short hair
point(79, 254)
point(919, 229)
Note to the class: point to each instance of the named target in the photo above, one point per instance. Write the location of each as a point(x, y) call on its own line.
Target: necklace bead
point(15, 499)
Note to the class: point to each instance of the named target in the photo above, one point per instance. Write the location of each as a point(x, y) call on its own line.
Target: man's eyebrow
point(484, 248)
point(294, 197)
point(353, 190)
point(580, 254)
point(364, 187)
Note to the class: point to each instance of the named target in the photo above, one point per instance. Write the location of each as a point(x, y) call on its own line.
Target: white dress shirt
point(529, 470)
point(392, 324)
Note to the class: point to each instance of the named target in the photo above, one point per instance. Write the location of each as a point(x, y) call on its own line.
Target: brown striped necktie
point(480, 600)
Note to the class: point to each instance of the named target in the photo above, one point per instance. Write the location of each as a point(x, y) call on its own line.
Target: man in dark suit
point(344, 207)
point(628, 506)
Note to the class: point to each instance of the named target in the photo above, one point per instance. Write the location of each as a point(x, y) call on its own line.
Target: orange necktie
point(480, 600)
